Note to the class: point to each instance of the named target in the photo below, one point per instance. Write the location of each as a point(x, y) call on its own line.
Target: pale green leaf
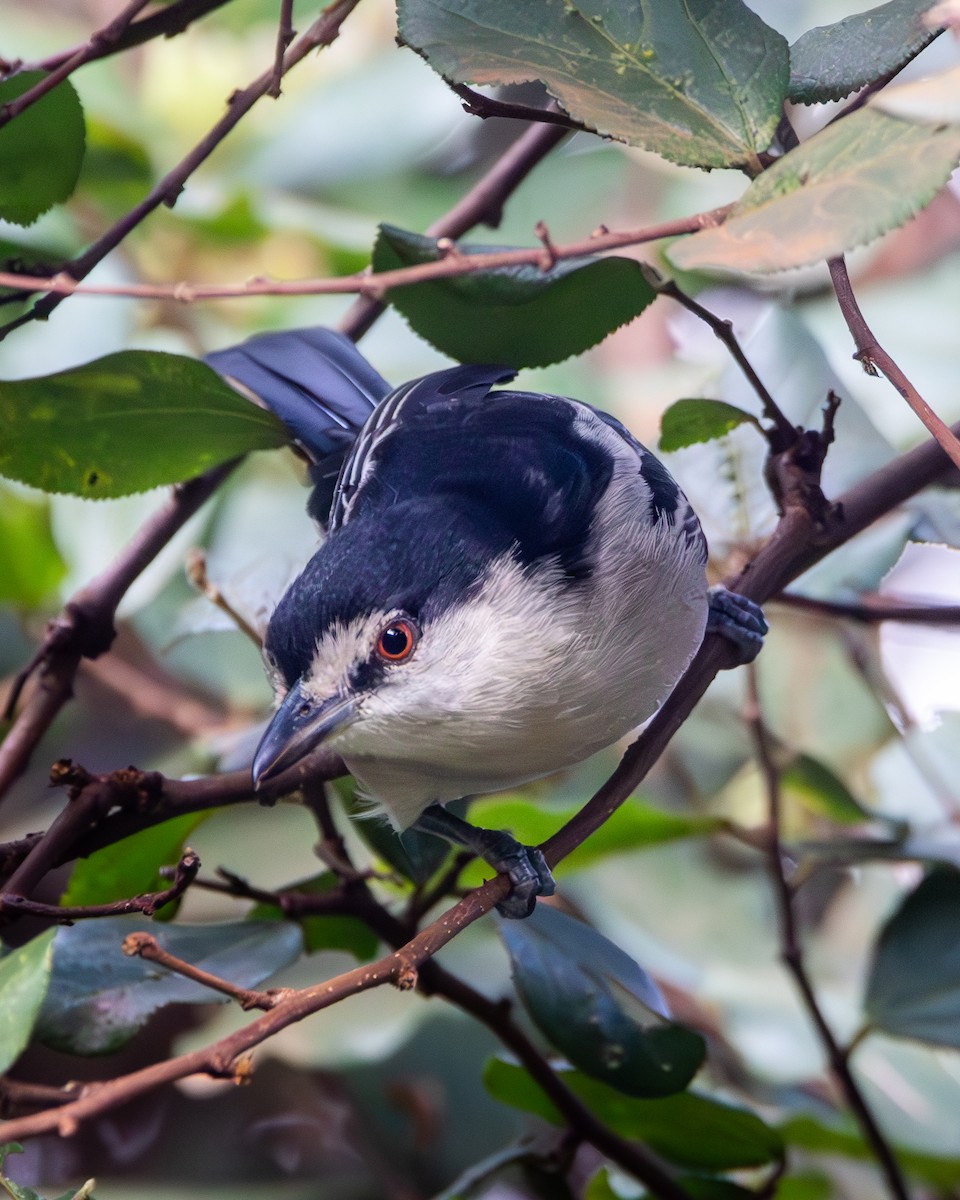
point(24, 976)
point(851, 182)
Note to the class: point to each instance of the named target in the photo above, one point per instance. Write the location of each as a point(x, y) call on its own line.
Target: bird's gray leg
point(525, 865)
point(738, 619)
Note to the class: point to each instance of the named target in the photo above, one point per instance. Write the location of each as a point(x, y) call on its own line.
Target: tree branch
point(108, 36)
point(874, 358)
point(85, 628)
point(872, 609)
point(373, 285)
point(148, 903)
point(478, 105)
point(792, 953)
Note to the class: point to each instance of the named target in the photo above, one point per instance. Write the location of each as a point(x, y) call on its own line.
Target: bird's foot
point(738, 619)
point(525, 866)
point(526, 869)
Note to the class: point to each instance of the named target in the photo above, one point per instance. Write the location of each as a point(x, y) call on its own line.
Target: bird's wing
point(523, 460)
point(318, 384)
point(432, 394)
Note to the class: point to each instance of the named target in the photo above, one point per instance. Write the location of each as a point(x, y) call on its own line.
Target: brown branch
point(167, 23)
point(226, 1056)
point(148, 903)
point(145, 945)
point(792, 954)
point(85, 629)
point(108, 36)
point(196, 568)
point(104, 809)
point(363, 282)
point(321, 33)
point(872, 609)
point(874, 358)
point(482, 204)
point(784, 433)
point(478, 105)
point(285, 35)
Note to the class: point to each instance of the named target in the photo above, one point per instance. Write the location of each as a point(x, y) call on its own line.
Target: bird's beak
point(299, 725)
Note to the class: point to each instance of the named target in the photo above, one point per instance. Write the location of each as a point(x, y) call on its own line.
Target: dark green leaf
point(600, 1008)
point(831, 61)
point(99, 997)
point(125, 423)
point(322, 932)
point(807, 1133)
point(689, 421)
point(913, 989)
point(823, 792)
point(520, 316)
point(700, 83)
point(24, 975)
point(851, 182)
point(132, 866)
point(634, 826)
point(690, 1130)
point(40, 151)
point(32, 566)
point(416, 856)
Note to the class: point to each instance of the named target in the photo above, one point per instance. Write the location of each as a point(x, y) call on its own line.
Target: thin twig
point(196, 569)
point(109, 35)
point(784, 433)
point(145, 945)
point(362, 282)
point(792, 953)
point(478, 105)
point(167, 23)
point(873, 358)
point(148, 903)
point(873, 609)
point(285, 35)
point(322, 32)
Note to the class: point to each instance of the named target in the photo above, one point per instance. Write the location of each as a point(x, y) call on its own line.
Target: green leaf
point(24, 975)
point(686, 422)
point(126, 423)
point(913, 989)
point(600, 1008)
point(689, 1129)
point(807, 1133)
point(822, 792)
point(414, 855)
point(831, 61)
point(323, 932)
point(520, 315)
point(131, 866)
point(851, 182)
point(32, 566)
point(634, 826)
point(40, 151)
point(99, 997)
point(700, 83)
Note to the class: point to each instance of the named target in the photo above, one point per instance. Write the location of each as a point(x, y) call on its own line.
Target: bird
point(509, 583)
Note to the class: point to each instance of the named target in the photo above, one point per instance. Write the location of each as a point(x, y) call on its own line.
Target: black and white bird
point(509, 583)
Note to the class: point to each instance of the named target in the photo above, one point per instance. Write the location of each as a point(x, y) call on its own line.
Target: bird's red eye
point(397, 640)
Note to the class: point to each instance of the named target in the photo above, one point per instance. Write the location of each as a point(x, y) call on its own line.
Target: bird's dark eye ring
point(398, 640)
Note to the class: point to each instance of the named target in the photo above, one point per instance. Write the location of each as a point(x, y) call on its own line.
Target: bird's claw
point(740, 620)
point(529, 877)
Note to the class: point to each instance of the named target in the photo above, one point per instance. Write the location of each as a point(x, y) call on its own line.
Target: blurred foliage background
point(381, 1096)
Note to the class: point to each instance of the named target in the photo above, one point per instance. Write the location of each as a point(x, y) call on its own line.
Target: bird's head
point(395, 623)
